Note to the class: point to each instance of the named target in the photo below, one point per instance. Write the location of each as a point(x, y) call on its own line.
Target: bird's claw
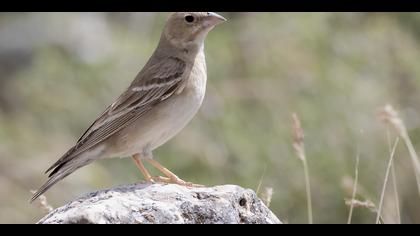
point(178, 181)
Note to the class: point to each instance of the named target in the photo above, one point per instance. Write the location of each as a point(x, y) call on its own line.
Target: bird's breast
point(169, 117)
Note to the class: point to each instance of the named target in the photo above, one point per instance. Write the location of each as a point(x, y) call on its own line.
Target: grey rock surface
point(165, 204)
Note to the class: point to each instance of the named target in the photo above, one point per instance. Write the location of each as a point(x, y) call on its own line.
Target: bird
point(161, 100)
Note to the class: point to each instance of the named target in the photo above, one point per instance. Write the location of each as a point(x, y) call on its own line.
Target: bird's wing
point(153, 85)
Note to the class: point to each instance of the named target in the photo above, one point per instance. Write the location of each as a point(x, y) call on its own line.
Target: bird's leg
point(137, 159)
point(172, 178)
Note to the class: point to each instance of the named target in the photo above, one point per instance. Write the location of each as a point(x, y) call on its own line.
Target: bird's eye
point(189, 18)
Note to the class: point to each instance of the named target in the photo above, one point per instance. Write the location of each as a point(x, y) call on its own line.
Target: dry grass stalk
point(391, 117)
point(267, 195)
point(363, 204)
point(261, 180)
point(394, 182)
point(42, 203)
point(396, 197)
point(298, 138)
point(388, 170)
point(299, 147)
point(356, 180)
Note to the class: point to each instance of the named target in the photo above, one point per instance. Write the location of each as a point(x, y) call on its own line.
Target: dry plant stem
point(390, 116)
point(299, 147)
point(414, 158)
point(388, 170)
point(363, 204)
point(397, 199)
point(261, 180)
point(394, 182)
point(267, 195)
point(356, 180)
point(43, 203)
point(308, 190)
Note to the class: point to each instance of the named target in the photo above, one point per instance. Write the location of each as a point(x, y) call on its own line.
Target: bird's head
point(189, 29)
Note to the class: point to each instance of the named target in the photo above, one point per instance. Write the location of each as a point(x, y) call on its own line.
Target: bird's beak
point(214, 19)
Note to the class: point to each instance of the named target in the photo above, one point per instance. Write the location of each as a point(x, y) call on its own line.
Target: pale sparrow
point(161, 100)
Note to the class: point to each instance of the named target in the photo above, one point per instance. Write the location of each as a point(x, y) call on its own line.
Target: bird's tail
point(59, 173)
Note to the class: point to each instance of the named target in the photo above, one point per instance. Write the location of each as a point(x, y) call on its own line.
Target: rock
point(165, 204)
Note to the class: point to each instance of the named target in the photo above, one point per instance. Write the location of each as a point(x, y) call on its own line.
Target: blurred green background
point(58, 71)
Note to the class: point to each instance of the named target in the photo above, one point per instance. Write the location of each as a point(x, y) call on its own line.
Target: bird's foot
point(150, 180)
point(166, 180)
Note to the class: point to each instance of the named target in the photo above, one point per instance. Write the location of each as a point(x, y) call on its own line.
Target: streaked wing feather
point(150, 87)
point(113, 126)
